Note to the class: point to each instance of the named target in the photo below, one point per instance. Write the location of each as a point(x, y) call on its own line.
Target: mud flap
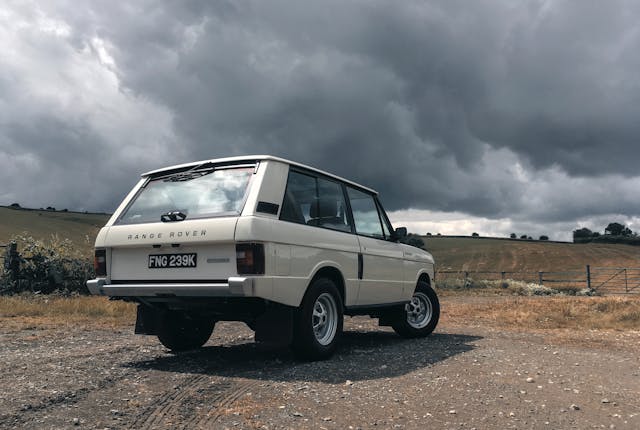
point(389, 317)
point(275, 326)
point(147, 320)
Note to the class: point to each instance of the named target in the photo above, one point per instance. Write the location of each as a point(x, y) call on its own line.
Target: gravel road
point(464, 376)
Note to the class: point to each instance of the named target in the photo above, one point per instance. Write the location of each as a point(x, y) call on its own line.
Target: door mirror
point(400, 233)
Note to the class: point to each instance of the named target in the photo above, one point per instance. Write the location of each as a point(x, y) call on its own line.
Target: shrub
point(510, 286)
point(47, 267)
point(413, 240)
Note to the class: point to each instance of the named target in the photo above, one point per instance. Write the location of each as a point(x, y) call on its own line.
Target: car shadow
point(360, 356)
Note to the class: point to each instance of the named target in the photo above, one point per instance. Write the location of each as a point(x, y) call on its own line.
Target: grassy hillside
point(451, 253)
point(80, 228)
point(480, 254)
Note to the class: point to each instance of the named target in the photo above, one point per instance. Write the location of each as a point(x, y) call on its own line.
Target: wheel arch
point(424, 277)
point(335, 275)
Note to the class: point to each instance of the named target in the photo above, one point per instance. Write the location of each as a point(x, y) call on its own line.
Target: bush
point(413, 240)
point(625, 240)
point(510, 286)
point(46, 267)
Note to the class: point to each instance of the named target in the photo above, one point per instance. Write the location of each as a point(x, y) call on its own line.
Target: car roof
point(252, 159)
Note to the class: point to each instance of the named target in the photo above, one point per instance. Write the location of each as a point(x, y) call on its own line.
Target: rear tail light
point(100, 262)
point(250, 258)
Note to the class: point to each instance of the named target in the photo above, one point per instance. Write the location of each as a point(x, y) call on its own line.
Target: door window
point(386, 225)
point(365, 214)
point(314, 201)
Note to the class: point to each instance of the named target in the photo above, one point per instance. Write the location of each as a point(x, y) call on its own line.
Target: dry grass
point(46, 311)
point(528, 313)
point(577, 313)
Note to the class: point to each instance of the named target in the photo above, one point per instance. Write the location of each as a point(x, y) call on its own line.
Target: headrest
point(325, 208)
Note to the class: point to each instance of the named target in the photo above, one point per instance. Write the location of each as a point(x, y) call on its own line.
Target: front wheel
point(182, 332)
point(318, 321)
point(420, 316)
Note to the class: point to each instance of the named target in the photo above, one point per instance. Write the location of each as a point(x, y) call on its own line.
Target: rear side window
point(314, 201)
point(365, 214)
point(196, 194)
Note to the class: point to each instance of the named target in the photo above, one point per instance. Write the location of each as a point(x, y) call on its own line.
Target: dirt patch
point(468, 374)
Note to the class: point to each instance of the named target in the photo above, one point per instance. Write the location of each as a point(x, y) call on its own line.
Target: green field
point(80, 228)
point(483, 254)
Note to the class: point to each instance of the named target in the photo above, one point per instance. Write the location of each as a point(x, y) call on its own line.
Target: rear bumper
point(234, 287)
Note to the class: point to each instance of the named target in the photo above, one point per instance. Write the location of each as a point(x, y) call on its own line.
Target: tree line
point(613, 233)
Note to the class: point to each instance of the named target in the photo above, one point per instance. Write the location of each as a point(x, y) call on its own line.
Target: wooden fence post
point(540, 278)
point(12, 261)
point(588, 277)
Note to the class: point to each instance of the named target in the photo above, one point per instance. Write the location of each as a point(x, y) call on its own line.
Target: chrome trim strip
point(238, 287)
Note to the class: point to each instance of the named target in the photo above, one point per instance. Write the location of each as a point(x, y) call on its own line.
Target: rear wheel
point(318, 321)
point(420, 316)
point(181, 332)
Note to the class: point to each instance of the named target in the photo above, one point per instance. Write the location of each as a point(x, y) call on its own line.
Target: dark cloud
point(524, 110)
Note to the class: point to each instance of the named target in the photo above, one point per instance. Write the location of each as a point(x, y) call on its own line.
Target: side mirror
point(400, 233)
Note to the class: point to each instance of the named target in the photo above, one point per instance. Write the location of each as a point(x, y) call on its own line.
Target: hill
point(80, 228)
point(451, 253)
point(486, 254)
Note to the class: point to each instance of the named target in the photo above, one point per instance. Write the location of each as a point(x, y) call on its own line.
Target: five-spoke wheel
point(420, 316)
point(318, 322)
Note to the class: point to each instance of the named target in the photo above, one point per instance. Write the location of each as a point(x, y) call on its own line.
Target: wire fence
point(3, 252)
point(603, 280)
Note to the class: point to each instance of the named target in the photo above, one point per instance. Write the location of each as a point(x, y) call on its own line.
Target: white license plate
point(171, 261)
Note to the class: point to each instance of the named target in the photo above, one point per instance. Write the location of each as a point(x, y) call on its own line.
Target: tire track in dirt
point(89, 355)
point(182, 408)
point(68, 397)
point(223, 402)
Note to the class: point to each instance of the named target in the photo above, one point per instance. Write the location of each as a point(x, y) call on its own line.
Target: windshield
point(194, 194)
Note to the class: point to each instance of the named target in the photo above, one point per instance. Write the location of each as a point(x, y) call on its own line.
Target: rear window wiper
point(173, 216)
point(187, 176)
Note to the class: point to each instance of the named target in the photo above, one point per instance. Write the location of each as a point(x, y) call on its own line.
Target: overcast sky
point(467, 116)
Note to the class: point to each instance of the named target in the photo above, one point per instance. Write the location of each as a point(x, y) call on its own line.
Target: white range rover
point(285, 248)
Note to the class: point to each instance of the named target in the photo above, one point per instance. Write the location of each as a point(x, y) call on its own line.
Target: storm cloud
point(520, 111)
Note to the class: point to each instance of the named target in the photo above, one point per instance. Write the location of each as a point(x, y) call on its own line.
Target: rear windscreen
point(190, 194)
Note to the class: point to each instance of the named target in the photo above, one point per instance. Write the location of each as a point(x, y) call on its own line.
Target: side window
point(314, 201)
point(365, 214)
point(330, 211)
point(299, 198)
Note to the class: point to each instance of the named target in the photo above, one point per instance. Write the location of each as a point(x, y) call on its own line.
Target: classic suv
point(285, 248)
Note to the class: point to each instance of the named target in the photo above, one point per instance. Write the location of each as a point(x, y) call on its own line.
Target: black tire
point(318, 322)
point(181, 332)
point(419, 317)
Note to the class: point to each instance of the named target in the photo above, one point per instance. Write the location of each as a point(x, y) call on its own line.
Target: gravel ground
point(464, 376)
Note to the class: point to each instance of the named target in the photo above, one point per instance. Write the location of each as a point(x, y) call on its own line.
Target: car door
point(381, 267)
point(316, 232)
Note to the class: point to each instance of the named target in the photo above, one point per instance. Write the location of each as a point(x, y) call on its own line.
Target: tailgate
point(197, 250)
